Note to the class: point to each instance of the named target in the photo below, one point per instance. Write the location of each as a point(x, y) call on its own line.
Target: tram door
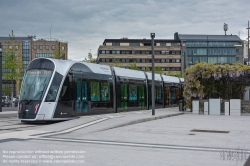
point(81, 96)
point(167, 95)
point(124, 96)
point(141, 96)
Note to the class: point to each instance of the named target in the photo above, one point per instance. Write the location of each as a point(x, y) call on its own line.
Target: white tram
point(55, 90)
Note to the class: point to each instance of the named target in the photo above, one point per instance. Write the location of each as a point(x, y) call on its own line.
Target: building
point(29, 48)
point(220, 49)
point(126, 51)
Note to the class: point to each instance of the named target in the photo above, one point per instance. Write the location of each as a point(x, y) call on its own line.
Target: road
point(9, 109)
point(131, 138)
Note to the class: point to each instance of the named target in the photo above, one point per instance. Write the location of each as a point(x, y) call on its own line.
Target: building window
point(53, 47)
point(62, 47)
point(34, 47)
point(134, 44)
point(46, 55)
point(16, 47)
point(47, 47)
point(115, 52)
point(164, 52)
point(115, 44)
point(177, 60)
point(237, 50)
point(10, 46)
point(107, 51)
point(162, 44)
point(4, 47)
point(103, 52)
point(145, 52)
point(41, 47)
point(162, 60)
point(102, 60)
point(133, 52)
point(125, 52)
point(237, 59)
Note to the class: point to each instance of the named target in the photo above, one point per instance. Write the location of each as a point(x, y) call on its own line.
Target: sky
point(85, 24)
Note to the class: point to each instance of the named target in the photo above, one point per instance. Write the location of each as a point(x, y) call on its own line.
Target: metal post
point(184, 62)
point(1, 76)
point(248, 43)
point(153, 74)
point(207, 49)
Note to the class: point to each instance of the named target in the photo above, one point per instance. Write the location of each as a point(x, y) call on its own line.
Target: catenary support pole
point(248, 44)
point(1, 76)
point(153, 74)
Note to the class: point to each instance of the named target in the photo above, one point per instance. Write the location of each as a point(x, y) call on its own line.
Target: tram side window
point(53, 90)
point(94, 91)
point(65, 95)
point(105, 91)
point(172, 95)
point(132, 92)
point(158, 92)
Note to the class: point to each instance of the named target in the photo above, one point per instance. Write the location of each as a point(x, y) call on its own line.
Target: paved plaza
point(132, 138)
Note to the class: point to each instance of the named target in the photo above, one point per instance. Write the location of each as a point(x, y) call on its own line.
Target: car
point(16, 102)
point(6, 101)
point(2, 102)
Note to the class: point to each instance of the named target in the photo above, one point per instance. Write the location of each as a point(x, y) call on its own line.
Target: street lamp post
point(248, 43)
point(1, 75)
point(207, 48)
point(153, 73)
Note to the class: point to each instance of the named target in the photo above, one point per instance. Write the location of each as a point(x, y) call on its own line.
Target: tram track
point(144, 145)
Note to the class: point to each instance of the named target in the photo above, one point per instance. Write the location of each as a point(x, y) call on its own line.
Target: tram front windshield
point(35, 84)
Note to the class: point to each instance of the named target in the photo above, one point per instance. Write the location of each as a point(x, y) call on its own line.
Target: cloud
point(86, 23)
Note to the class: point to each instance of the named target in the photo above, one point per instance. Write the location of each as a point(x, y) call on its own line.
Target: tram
point(54, 90)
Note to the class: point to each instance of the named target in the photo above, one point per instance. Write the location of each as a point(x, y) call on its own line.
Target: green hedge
point(208, 80)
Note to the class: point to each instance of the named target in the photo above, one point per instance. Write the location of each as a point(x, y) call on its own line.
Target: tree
point(147, 69)
point(6, 90)
point(133, 66)
point(90, 58)
point(158, 70)
point(116, 64)
point(170, 73)
point(12, 62)
point(59, 53)
point(207, 80)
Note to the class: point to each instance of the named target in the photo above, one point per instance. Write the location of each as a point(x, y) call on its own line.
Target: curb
point(143, 120)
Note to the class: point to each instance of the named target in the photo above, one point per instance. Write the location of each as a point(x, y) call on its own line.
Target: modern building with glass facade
point(220, 49)
point(29, 49)
point(126, 51)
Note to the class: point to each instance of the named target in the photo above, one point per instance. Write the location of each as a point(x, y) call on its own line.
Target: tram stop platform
point(113, 120)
